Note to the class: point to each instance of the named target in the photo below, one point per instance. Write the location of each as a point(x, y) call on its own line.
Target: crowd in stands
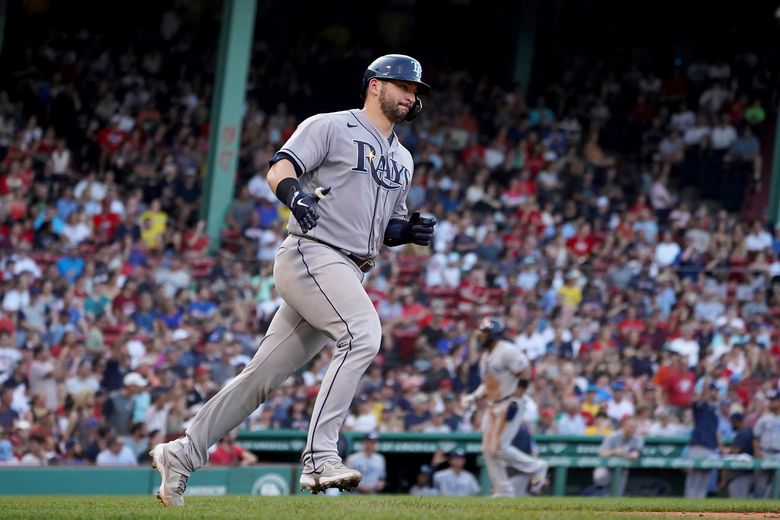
point(601, 221)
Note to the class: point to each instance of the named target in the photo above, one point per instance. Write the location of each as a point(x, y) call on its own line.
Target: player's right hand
point(304, 207)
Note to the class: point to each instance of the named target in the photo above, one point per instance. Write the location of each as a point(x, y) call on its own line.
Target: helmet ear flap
point(415, 109)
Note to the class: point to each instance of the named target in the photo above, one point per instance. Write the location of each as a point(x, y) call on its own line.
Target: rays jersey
point(499, 369)
point(449, 483)
point(369, 176)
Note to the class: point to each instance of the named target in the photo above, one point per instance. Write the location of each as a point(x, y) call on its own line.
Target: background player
point(501, 367)
point(319, 272)
point(766, 442)
point(455, 480)
point(371, 465)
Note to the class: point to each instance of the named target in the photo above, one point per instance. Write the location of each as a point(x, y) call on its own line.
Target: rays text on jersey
point(386, 172)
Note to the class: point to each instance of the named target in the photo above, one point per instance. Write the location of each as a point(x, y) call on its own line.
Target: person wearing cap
point(619, 406)
point(739, 481)
point(455, 480)
point(422, 486)
point(766, 443)
point(705, 441)
point(623, 443)
point(370, 464)
point(504, 371)
point(119, 406)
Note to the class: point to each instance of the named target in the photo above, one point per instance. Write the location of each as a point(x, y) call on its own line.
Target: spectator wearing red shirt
point(104, 224)
point(126, 302)
point(110, 139)
point(227, 453)
point(413, 313)
point(196, 241)
point(631, 323)
point(675, 383)
point(603, 342)
point(473, 291)
point(583, 243)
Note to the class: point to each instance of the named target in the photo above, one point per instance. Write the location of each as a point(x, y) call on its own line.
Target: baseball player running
point(345, 177)
point(502, 368)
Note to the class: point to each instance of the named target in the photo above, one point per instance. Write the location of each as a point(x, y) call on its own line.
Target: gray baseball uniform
point(617, 440)
point(767, 431)
point(321, 285)
point(372, 467)
point(499, 369)
point(461, 484)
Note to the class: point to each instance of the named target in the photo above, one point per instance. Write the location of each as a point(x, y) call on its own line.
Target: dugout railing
point(407, 451)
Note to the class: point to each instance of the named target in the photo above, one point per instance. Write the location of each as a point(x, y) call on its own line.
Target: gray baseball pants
point(698, 480)
point(324, 300)
point(763, 478)
point(507, 455)
point(739, 486)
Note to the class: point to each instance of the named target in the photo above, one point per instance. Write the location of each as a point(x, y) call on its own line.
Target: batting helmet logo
point(492, 326)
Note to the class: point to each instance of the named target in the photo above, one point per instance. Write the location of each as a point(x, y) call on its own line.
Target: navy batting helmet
point(492, 326)
point(399, 67)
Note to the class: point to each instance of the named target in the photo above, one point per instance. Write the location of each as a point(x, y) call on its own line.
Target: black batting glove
point(419, 230)
point(304, 207)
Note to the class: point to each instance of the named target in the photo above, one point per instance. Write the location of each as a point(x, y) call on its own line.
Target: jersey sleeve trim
point(300, 168)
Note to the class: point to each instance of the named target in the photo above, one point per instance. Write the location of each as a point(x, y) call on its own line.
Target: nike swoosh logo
point(351, 126)
point(300, 203)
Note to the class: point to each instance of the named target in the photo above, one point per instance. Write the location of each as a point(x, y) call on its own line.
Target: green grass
point(364, 508)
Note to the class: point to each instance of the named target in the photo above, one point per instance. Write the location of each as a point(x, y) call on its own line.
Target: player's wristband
point(285, 189)
point(394, 233)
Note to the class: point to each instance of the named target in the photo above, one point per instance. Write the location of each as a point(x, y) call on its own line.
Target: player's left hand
point(419, 230)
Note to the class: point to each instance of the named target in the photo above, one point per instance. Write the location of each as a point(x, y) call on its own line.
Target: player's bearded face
point(392, 104)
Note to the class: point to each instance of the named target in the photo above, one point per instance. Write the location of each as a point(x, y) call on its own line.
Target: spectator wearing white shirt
point(60, 159)
point(683, 119)
point(619, 406)
point(665, 425)
point(75, 231)
point(758, 239)
point(258, 188)
point(709, 307)
point(364, 419)
point(532, 342)
point(89, 188)
point(571, 422)
point(437, 424)
point(723, 135)
point(660, 197)
point(667, 250)
point(731, 319)
point(116, 454)
point(696, 132)
point(84, 382)
point(17, 296)
point(686, 346)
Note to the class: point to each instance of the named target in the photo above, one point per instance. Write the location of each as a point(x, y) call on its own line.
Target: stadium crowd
point(602, 221)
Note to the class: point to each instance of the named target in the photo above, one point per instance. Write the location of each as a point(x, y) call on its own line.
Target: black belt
point(364, 264)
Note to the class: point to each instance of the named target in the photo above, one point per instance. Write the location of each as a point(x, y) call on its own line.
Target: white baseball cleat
point(332, 474)
point(537, 485)
point(174, 476)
